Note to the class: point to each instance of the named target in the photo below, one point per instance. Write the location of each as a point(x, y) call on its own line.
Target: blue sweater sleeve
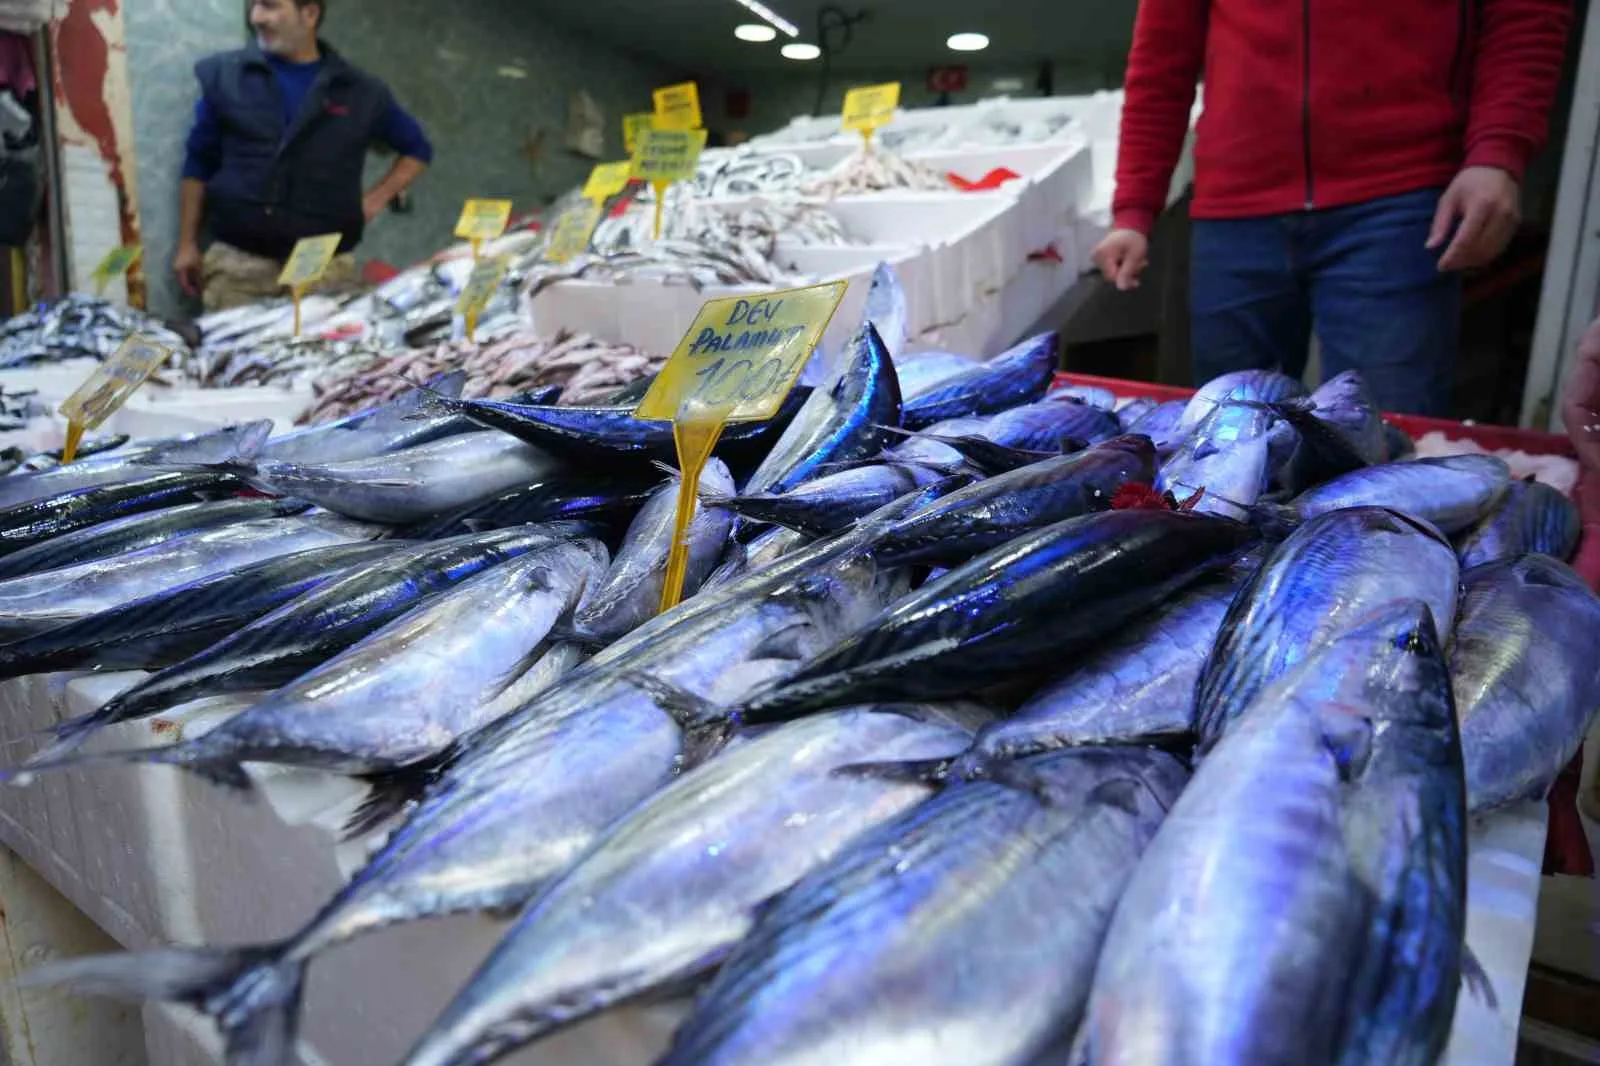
point(400, 130)
point(204, 154)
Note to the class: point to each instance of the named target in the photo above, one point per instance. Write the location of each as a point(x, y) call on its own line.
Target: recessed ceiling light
point(800, 51)
point(967, 42)
point(755, 32)
point(771, 17)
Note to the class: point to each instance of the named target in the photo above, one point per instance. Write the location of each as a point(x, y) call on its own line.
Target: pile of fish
point(875, 170)
point(78, 326)
point(585, 369)
point(995, 724)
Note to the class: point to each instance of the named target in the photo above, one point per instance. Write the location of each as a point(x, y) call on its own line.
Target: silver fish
point(135, 461)
point(1451, 493)
point(680, 881)
point(1253, 386)
point(944, 935)
point(410, 690)
point(375, 431)
point(526, 799)
point(886, 309)
point(1093, 395)
point(744, 559)
point(1305, 900)
point(1335, 571)
point(1228, 459)
point(1160, 424)
point(830, 503)
point(1532, 517)
point(921, 371)
point(1526, 676)
point(1131, 412)
point(415, 484)
point(631, 590)
point(30, 605)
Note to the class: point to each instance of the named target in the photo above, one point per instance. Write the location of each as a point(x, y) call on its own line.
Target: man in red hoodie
point(1352, 158)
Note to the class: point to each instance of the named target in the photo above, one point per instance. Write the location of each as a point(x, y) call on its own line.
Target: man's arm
point(402, 132)
point(203, 156)
point(1169, 46)
point(1516, 68)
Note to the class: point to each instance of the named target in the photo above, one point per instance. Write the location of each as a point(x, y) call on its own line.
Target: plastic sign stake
point(678, 107)
point(665, 156)
point(870, 108)
point(483, 220)
point(306, 265)
point(109, 387)
point(633, 125)
point(573, 231)
point(738, 361)
point(482, 284)
point(117, 262)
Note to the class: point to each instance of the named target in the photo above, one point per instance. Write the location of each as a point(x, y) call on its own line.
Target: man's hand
point(1488, 203)
point(1122, 257)
point(189, 265)
point(1580, 403)
point(373, 203)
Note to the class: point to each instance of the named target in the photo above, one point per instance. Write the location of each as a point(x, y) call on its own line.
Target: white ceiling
point(898, 35)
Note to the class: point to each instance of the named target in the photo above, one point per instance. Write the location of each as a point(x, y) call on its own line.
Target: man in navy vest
point(280, 137)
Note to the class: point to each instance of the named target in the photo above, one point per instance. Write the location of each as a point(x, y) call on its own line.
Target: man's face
point(283, 27)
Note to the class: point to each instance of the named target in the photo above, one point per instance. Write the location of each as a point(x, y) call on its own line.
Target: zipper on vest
point(1305, 100)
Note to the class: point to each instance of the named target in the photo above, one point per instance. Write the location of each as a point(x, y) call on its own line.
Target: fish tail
point(219, 768)
point(391, 792)
point(253, 994)
point(1273, 520)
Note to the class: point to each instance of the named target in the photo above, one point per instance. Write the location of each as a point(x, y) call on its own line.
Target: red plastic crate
point(1566, 847)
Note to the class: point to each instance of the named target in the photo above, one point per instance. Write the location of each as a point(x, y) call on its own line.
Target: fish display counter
point(371, 744)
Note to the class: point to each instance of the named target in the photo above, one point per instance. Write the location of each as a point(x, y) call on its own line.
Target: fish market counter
point(154, 856)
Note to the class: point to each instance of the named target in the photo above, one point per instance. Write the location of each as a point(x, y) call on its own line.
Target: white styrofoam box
point(154, 856)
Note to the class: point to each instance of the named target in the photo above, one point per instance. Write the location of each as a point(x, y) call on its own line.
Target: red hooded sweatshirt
point(1320, 103)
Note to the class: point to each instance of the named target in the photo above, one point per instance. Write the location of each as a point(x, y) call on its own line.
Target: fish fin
point(431, 403)
point(449, 383)
point(540, 580)
point(566, 633)
point(706, 726)
point(784, 644)
point(252, 440)
point(252, 993)
point(909, 771)
point(1348, 738)
point(1272, 520)
point(390, 792)
point(898, 431)
point(1121, 793)
point(672, 472)
point(1475, 979)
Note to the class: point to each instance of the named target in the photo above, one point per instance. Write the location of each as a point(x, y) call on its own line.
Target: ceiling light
point(772, 18)
point(967, 42)
point(755, 33)
point(800, 51)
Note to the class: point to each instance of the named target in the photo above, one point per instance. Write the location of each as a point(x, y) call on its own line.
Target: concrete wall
point(491, 86)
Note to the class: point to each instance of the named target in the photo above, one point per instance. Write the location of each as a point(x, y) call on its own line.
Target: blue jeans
point(1359, 276)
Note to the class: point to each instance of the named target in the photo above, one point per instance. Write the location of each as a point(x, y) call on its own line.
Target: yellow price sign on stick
point(871, 107)
point(117, 262)
point(573, 231)
point(608, 179)
point(306, 265)
point(665, 156)
point(678, 107)
point(109, 387)
point(483, 220)
point(736, 364)
point(633, 125)
point(482, 284)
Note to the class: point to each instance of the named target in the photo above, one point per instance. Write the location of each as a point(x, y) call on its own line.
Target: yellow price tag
point(608, 179)
point(743, 353)
point(113, 381)
point(573, 232)
point(871, 107)
point(678, 107)
point(309, 261)
point(736, 364)
point(667, 155)
point(482, 284)
point(483, 220)
point(117, 262)
point(633, 125)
